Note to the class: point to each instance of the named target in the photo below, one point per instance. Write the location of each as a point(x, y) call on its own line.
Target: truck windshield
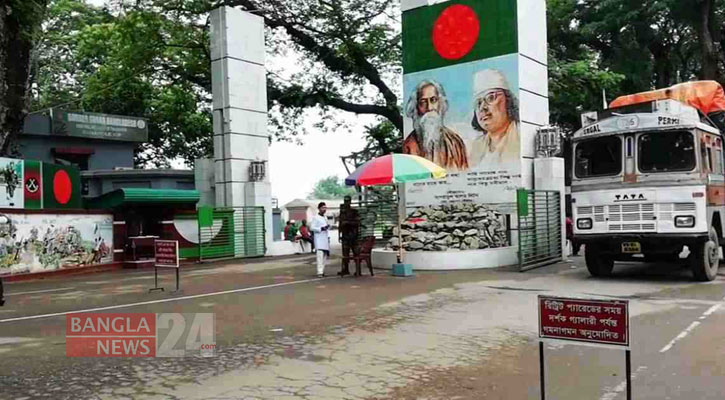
point(599, 157)
point(666, 151)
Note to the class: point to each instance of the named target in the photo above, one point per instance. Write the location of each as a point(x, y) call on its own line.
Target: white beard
point(428, 127)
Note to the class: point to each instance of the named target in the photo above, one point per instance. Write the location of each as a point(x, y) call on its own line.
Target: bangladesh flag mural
point(456, 32)
point(61, 186)
point(32, 184)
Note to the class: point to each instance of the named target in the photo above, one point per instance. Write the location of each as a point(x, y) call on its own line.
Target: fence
point(231, 232)
point(539, 228)
point(378, 210)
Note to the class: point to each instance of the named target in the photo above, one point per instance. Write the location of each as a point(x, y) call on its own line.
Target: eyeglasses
point(488, 98)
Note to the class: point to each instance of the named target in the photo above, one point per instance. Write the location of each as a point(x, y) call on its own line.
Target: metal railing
point(539, 228)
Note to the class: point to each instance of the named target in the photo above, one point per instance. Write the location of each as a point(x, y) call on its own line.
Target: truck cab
point(648, 179)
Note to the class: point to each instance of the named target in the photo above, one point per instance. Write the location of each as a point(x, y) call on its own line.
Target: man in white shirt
point(320, 228)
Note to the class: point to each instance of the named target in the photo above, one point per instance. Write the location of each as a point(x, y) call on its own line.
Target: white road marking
point(610, 395)
point(711, 310)
point(680, 336)
point(692, 326)
point(195, 296)
point(39, 291)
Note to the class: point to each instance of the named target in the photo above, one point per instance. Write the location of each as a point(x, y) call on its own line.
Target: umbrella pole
point(400, 235)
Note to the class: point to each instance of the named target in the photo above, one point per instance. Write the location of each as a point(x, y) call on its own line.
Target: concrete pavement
point(463, 334)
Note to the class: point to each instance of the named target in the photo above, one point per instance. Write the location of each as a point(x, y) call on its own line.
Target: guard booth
point(142, 215)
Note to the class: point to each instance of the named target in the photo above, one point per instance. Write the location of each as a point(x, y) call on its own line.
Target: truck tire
point(705, 259)
point(599, 265)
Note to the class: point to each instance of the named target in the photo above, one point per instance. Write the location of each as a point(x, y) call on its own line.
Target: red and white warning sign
point(596, 321)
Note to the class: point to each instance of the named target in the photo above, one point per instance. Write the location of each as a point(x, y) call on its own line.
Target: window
point(667, 151)
point(598, 157)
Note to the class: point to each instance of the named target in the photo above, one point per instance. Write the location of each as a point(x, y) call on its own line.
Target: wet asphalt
point(282, 333)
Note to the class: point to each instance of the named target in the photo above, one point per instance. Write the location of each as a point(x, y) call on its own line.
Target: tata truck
point(649, 179)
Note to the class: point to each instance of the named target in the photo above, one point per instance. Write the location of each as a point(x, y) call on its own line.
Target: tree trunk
point(708, 49)
point(18, 22)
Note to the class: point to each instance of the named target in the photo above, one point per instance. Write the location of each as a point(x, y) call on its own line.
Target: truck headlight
point(685, 221)
point(584, 223)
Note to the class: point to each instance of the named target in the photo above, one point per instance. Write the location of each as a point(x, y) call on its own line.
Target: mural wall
point(461, 84)
point(46, 242)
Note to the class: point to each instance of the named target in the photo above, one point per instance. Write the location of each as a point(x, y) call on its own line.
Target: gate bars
point(539, 232)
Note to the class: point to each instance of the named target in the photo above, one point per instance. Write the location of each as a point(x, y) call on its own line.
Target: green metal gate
point(234, 232)
point(539, 216)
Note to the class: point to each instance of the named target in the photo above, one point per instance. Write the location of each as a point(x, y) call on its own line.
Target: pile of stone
point(463, 226)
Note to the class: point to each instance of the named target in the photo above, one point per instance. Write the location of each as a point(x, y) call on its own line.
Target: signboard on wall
point(461, 83)
point(99, 126)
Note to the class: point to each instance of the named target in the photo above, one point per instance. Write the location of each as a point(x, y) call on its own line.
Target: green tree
point(330, 188)
point(20, 23)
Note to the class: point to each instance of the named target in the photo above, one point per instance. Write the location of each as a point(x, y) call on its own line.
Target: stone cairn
point(462, 226)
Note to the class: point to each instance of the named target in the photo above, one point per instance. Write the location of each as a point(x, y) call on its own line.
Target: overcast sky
point(294, 169)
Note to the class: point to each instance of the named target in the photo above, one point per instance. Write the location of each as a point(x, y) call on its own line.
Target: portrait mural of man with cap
point(495, 117)
point(430, 138)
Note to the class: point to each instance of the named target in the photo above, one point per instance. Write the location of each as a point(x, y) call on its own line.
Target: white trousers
point(321, 259)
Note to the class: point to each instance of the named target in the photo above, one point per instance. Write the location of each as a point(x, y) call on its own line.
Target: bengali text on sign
point(597, 321)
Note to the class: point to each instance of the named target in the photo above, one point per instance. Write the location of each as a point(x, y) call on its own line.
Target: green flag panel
point(61, 186)
point(456, 32)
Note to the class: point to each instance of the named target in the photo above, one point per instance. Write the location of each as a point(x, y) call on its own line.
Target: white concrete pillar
point(240, 110)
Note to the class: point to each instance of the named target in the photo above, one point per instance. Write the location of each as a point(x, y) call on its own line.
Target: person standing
point(349, 236)
point(320, 228)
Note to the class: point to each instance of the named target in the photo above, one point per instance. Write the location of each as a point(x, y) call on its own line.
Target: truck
point(648, 179)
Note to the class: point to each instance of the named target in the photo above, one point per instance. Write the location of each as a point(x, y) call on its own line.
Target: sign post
point(166, 254)
point(604, 322)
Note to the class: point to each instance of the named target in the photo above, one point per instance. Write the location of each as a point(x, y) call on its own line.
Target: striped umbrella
point(394, 168)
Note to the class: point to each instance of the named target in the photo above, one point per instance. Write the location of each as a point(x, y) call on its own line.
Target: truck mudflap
point(630, 244)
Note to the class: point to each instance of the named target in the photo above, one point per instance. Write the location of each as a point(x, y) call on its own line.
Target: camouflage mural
point(43, 242)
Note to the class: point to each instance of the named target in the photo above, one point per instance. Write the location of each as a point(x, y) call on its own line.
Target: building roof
point(139, 196)
point(297, 203)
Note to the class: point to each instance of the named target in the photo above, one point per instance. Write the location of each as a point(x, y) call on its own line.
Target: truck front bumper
point(651, 243)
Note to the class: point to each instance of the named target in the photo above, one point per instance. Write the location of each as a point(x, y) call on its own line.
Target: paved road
point(283, 334)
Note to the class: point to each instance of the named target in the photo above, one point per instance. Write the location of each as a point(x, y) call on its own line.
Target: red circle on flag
point(62, 187)
point(455, 31)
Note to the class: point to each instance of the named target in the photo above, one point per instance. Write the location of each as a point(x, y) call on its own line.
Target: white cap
point(488, 79)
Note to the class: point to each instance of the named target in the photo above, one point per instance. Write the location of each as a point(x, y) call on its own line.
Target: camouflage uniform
point(349, 237)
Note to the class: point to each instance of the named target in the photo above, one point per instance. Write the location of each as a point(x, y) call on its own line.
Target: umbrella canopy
point(394, 168)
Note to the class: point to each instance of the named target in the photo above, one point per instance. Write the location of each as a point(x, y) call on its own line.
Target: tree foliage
point(326, 58)
point(330, 188)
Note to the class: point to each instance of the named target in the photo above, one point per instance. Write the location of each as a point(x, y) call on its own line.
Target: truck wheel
point(705, 258)
point(598, 264)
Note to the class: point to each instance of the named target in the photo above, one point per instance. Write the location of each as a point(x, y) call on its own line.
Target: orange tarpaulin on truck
point(706, 96)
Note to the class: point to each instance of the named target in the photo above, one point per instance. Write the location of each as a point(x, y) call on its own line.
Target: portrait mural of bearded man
point(430, 138)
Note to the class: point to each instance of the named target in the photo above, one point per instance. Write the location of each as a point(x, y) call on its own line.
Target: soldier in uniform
point(349, 236)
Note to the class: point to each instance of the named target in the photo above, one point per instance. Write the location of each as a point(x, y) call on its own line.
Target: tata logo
point(32, 185)
point(629, 197)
